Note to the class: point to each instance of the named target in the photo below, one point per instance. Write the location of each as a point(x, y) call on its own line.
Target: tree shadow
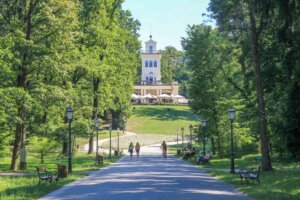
point(166, 114)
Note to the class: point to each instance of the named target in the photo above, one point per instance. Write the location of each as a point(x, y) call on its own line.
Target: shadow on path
point(148, 177)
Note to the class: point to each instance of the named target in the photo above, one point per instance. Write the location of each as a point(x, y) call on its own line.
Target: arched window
point(146, 63)
point(150, 63)
point(150, 49)
point(155, 63)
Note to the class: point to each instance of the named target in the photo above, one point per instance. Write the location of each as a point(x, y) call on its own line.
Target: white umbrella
point(134, 96)
point(177, 96)
point(164, 96)
point(148, 96)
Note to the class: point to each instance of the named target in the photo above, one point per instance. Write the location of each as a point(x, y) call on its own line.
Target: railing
point(153, 52)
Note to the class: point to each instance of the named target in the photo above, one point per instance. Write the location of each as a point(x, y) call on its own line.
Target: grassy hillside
point(161, 119)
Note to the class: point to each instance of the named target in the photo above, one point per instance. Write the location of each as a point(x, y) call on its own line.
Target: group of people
point(137, 148)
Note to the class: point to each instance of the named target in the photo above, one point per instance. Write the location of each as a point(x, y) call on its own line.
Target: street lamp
point(182, 132)
point(177, 141)
point(110, 128)
point(69, 116)
point(118, 140)
point(97, 123)
point(204, 125)
point(191, 130)
point(231, 114)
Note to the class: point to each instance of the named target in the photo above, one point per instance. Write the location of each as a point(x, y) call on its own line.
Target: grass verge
point(27, 187)
point(282, 183)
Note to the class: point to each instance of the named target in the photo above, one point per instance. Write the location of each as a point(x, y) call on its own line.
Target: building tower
point(151, 64)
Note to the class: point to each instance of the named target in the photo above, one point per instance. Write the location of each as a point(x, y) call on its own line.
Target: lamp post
point(204, 125)
point(182, 132)
point(97, 123)
point(177, 141)
point(118, 140)
point(231, 113)
point(69, 115)
point(191, 131)
point(110, 128)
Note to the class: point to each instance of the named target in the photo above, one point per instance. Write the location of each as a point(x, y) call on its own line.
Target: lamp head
point(203, 122)
point(231, 113)
point(191, 127)
point(69, 113)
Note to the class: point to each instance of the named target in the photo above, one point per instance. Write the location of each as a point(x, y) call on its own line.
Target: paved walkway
point(148, 178)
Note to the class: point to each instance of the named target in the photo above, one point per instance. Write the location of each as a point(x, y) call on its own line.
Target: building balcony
point(153, 52)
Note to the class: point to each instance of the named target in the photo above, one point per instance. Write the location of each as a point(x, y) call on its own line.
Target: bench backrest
point(41, 170)
point(207, 156)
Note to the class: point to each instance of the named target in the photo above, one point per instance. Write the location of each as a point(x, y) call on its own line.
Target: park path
point(148, 178)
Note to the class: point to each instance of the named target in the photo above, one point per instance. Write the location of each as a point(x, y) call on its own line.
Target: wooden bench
point(46, 176)
point(98, 160)
point(188, 154)
point(257, 158)
point(200, 160)
point(249, 174)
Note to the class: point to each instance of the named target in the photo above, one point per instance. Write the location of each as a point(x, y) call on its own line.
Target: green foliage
point(55, 54)
point(43, 146)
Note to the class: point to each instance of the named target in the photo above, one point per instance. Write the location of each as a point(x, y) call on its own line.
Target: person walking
point(137, 149)
point(163, 147)
point(130, 149)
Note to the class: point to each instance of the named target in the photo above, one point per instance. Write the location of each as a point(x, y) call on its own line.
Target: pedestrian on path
point(137, 149)
point(130, 149)
point(163, 147)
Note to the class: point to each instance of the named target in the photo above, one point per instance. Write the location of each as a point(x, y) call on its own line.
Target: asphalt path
point(148, 177)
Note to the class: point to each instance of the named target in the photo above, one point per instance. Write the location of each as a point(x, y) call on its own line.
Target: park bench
point(45, 175)
point(203, 160)
point(188, 154)
point(257, 158)
point(249, 174)
point(98, 159)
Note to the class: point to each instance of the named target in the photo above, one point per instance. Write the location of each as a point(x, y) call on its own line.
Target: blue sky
point(168, 18)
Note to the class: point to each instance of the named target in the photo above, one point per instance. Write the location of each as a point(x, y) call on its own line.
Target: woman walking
point(130, 149)
point(164, 149)
point(137, 149)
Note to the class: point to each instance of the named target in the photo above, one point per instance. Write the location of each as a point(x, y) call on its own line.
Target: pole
point(70, 154)
point(110, 127)
point(97, 147)
point(232, 157)
point(177, 142)
point(204, 140)
point(191, 139)
point(118, 141)
point(182, 142)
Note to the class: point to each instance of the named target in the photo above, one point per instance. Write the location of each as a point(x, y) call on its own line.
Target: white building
point(151, 73)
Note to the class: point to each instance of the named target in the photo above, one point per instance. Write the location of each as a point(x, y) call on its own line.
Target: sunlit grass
point(27, 187)
point(160, 119)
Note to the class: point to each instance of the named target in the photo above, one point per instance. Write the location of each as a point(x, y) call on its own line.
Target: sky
point(166, 20)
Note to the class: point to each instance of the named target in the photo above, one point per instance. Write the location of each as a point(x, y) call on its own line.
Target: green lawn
point(27, 187)
point(160, 119)
point(282, 183)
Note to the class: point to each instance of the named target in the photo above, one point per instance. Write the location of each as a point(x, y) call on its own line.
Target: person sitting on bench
point(204, 158)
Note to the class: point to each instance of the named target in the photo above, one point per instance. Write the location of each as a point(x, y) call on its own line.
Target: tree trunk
point(42, 157)
point(213, 146)
point(17, 143)
point(219, 146)
point(96, 82)
point(262, 122)
point(22, 83)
